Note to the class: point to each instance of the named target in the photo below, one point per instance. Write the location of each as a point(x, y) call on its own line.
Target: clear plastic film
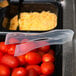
point(36, 40)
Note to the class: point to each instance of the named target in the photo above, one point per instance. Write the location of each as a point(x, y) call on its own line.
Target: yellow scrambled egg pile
point(35, 21)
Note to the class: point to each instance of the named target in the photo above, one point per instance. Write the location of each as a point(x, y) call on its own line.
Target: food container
point(54, 7)
point(15, 8)
point(58, 56)
point(64, 63)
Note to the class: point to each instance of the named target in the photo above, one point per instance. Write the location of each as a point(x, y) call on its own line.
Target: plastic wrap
point(38, 39)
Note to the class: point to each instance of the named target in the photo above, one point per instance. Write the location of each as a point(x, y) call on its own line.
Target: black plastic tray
point(54, 7)
point(40, 6)
point(58, 56)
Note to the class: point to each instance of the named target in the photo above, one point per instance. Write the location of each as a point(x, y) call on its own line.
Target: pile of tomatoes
point(38, 62)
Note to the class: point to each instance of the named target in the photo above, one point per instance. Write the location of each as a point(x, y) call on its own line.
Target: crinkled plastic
point(37, 40)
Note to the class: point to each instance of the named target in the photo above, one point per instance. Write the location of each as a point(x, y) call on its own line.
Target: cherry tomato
point(11, 49)
point(48, 58)
point(35, 50)
point(33, 58)
point(43, 75)
point(51, 52)
point(35, 67)
point(24, 40)
point(20, 71)
point(47, 68)
point(41, 53)
point(13, 40)
point(10, 61)
point(0, 56)
point(21, 59)
point(44, 48)
point(26, 46)
point(32, 72)
point(3, 47)
point(4, 70)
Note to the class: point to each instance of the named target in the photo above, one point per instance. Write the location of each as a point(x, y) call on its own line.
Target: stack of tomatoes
point(38, 62)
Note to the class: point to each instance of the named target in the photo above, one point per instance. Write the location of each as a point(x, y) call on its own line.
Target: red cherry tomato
point(1, 56)
point(32, 72)
point(35, 67)
point(33, 58)
point(13, 40)
point(3, 47)
point(21, 59)
point(41, 53)
point(10, 61)
point(24, 40)
point(44, 48)
point(4, 70)
point(11, 49)
point(43, 75)
point(26, 46)
point(35, 50)
point(47, 68)
point(20, 71)
point(51, 52)
point(48, 58)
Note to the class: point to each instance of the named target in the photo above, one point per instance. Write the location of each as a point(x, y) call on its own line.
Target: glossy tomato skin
point(35, 50)
point(1, 54)
point(43, 75)
point(51, 52)
point(3, 47)
point(44, 48)
point(21, 59)
point(20, 71)
point(48, 58)
point(11, 49)
point(32, 72)
point(33, 58)
point(10, 61)
point(47, 68)
point(41, 53)
point(13, 40)
point(35, 67)
point(4, 70)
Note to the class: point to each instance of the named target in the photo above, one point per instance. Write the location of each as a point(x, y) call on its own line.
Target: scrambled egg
point(35, 21)
point(14, 23)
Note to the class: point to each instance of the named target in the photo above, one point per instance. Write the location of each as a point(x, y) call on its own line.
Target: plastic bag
point(52, 38)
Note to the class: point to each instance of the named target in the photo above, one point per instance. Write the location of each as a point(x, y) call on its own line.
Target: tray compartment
point(8, 13)
point(58, 56)
point(54, 7)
